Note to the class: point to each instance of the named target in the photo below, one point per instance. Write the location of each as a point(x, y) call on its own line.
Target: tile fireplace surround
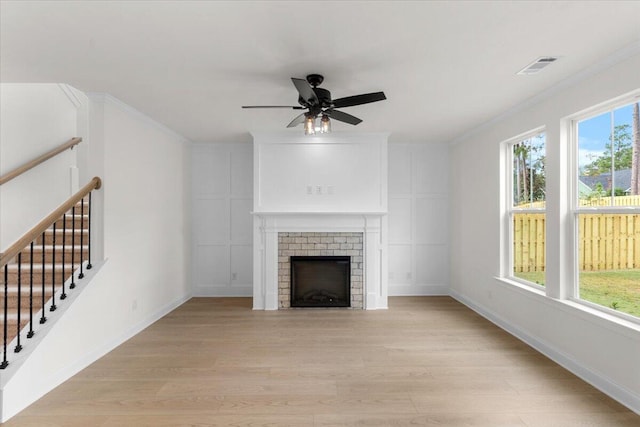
point(320, 244)
point(271, 264)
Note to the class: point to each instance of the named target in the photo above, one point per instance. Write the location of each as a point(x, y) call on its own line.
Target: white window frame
point(509, 210)
point(573, 288)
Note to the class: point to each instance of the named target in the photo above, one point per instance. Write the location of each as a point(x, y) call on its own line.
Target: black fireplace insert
point(320, 281)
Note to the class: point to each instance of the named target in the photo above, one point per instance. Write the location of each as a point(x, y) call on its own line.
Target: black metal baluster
point(43, 318)
point(64, 250)
point(4, 363)
point(89, 237)
point(81, 275)
point(73, 248)
point(30, 333)
point(18, 346)
point(53, 271)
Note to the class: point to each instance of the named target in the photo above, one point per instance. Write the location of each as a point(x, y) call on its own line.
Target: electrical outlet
point(134, 305)
point(309, 189)
point(318, 189)
point(409, 276)
point(331, 189)
point(234, 276)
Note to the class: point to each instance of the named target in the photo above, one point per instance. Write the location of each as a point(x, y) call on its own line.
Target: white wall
point(222, 189)
point(602, 351)
point(35, 118)
point(145, 203)
point(418, 219)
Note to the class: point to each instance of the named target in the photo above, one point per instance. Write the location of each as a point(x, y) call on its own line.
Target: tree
point(622, 154)
point(529, 171)
point(635, 163)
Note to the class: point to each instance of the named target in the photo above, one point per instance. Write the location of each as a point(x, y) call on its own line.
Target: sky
point(593, 133)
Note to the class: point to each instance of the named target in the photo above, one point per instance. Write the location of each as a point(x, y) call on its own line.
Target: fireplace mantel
point(322, 184)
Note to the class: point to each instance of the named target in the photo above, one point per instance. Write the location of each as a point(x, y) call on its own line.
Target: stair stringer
point(76, 336)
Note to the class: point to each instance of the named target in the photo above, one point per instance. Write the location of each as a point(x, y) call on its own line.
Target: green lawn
point(617, 289)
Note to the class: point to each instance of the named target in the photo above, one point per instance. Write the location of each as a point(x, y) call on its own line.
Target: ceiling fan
point(318, 102)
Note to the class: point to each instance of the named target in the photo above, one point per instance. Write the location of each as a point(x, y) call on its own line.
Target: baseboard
point(417, 290)
point(613, 390)
point(223, 291)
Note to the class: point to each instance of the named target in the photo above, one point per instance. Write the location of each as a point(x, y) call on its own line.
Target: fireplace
point(320, 196)
point(320, 281)
point(321, 246)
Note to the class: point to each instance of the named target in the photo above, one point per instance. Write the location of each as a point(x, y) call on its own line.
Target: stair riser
point(37, 278)
point(12, 301)
point(68, 238)
point(37, 256)
point(79, 223)
point(12, 329)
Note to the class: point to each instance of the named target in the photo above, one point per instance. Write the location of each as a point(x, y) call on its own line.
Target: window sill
point(629, 328)
point(529, 287)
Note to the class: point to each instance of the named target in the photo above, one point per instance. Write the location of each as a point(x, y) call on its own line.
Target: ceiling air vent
point(538, 65)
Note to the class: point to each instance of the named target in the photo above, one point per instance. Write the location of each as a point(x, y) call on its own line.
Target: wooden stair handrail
point(35, 162)
point(37, 230)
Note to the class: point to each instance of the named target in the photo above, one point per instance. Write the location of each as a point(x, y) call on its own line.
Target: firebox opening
point(320, 281)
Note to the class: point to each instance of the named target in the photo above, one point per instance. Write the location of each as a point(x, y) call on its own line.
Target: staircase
point(59, 251)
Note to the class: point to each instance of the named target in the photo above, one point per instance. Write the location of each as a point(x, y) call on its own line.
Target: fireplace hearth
point(320, 281)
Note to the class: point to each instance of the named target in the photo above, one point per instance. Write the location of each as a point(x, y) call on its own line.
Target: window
point(526, 204)
point(606, 208)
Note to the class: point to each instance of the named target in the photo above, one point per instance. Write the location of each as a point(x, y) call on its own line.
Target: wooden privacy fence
point(606, 201)
point(606, 242)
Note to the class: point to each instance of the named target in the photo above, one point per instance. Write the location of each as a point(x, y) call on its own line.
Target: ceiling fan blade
point(343, 117)
point(296, 107)
point(366, 98)
point(306, 91)
point(297, 121)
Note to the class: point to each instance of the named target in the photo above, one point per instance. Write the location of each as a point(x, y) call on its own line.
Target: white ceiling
point(446, 67)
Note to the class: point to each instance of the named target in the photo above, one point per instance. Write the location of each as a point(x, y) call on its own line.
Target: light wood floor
point(425, 361)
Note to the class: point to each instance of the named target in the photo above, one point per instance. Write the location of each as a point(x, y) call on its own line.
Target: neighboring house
point(621, 179)
point(584, 190)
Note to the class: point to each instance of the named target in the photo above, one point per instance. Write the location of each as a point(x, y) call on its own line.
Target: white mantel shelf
point(319, 213)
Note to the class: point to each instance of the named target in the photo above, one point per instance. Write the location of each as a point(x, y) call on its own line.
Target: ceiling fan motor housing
point(324, 99)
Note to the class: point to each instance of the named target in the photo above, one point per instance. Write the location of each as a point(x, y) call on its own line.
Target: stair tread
point(49, 247)
point(38, 266)
point(12, 291)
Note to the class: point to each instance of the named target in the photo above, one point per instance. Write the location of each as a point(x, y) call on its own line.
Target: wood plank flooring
point(426, 361)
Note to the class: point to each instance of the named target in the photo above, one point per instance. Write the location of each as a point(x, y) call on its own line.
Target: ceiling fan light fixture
point(325, 124)
point(310, 125)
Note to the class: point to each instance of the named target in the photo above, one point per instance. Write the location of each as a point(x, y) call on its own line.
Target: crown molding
point(71, 94)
